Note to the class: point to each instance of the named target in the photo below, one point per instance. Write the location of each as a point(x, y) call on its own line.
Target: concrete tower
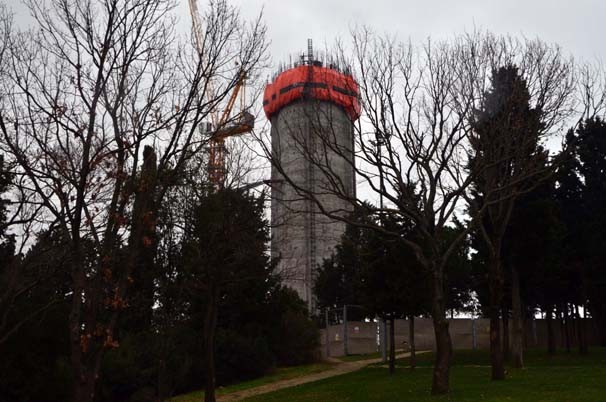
point(312, 107)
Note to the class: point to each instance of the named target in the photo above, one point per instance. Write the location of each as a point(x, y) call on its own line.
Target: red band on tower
point(316, 82)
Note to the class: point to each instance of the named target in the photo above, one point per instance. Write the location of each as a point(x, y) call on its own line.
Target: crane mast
point(220, 129)
point(196, 26)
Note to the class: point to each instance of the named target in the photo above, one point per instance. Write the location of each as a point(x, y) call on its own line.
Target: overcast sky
point(578, 25)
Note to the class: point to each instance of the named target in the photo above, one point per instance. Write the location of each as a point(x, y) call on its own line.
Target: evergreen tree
point(532, 258)
point(224, 249)
point(378, 272)
point(392, 283)
point(506, 160)
point(590, 281)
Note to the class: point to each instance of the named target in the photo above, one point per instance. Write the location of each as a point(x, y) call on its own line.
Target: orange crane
point(222, 128)
point(243, 123)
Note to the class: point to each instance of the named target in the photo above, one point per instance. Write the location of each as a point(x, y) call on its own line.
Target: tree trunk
point(566, 327)
point(551, 344)
point(517, 335)
point(577, 329)
point(411, 341)
point(505, 319)
point(583, 349)
point(210, 323)
point(583, 322)
point(565, 320)
point(84, 390)
point(600, 316)
point(496, 352)
point(392, 345)
point(441, 369)
point(562, 327)
point(496, 290)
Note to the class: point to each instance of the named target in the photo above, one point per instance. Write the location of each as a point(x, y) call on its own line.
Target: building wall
point(363, 337)
point(302, 236)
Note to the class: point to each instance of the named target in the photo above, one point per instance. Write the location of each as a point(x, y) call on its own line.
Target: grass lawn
point(562, 378)
point(279, 374)
point(355, 358)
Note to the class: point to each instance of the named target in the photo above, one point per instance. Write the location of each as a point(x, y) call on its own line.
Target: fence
point(365, 337)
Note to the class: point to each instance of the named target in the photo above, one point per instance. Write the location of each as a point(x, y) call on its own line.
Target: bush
point(34, 363)
point(149, 365)
point(300, 340)
point(295, 338)
point(240, 357)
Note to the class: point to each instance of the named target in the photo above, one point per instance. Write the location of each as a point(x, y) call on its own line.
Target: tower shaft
point(312, 109)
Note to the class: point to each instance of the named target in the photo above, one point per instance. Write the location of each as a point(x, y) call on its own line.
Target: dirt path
point(340, 368)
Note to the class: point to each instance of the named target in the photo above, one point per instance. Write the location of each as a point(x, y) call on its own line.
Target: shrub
point(240, 357)
point(294, 337)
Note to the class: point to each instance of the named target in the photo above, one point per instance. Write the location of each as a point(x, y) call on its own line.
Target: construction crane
point(224, 127)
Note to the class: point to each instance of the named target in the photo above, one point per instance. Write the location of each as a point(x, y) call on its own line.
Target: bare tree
point(102, 115)
point(409, 148)
point(591, 79)
point(18, 277)
point(412, 145)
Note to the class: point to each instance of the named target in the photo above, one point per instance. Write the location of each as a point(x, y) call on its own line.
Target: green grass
point(532, 358)
point(279, 374)
point(562, 378)
point(355, 358)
